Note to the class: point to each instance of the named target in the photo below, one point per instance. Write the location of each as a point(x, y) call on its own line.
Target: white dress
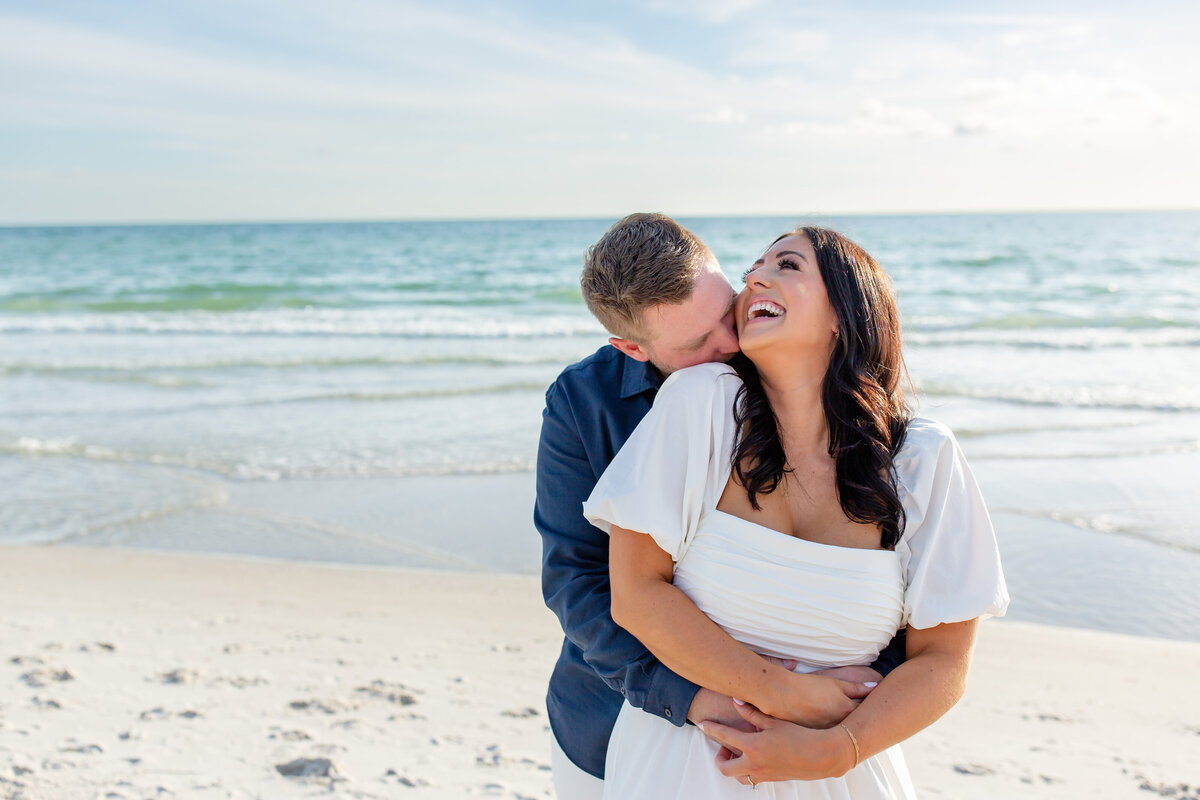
point(824, 605)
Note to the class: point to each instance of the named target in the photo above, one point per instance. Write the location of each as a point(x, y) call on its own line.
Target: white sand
point(137, 675)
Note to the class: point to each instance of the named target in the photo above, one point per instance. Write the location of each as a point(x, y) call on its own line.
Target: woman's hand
point(778, 750)
point(864, 675)
point(815, 701)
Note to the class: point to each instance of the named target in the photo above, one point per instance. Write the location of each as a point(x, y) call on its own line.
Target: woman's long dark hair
point(865, 411)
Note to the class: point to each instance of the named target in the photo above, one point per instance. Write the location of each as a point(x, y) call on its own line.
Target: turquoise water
point(147, 370)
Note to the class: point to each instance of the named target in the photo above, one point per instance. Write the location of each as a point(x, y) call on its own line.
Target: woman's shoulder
point(924, 435)
point(927, 443)
point(702, 380)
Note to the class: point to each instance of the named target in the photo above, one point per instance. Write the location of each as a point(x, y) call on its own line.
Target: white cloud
point(1048, 34)
point(706, 10)
point(725, 115)
point(777, 44)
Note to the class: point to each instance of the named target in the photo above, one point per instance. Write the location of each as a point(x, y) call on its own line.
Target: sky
point(262, 110)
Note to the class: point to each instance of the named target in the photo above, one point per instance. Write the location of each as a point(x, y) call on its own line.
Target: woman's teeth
point(764, 308)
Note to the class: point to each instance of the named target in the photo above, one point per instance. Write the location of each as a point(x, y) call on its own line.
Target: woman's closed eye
point(783, 263)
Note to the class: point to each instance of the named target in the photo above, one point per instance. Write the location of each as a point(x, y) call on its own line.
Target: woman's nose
point(757, 277)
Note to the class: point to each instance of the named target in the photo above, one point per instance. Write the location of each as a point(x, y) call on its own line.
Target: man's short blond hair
point(643, 260)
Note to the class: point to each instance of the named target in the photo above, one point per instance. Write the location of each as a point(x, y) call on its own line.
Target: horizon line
point(579, 218)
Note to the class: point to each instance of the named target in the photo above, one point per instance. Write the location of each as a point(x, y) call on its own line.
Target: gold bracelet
point(853, 741)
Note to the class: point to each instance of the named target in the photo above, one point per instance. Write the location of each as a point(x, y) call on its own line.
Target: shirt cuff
point(670, 696)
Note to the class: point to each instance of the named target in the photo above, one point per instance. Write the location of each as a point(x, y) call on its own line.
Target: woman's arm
point(910, 698)
point(681, 636)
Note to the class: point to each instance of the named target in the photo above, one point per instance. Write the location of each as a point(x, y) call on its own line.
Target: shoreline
point(197, 677)
point(1058, 573)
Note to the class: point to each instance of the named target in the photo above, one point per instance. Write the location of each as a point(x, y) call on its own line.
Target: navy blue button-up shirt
point(591, 409)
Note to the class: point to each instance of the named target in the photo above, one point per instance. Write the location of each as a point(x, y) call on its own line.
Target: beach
point(132, 674)
point(266, 495)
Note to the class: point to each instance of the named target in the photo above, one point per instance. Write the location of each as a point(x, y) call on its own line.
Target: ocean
point(370, 393)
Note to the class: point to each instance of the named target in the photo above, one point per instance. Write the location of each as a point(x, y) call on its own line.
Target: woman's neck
point(795, 395)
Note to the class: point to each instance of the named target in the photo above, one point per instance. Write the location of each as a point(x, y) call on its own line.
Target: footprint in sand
point(1178, 791)
point(973, 769)
point(308, 768)
point(330, 706)
point(492, 757)
point(240, 681)
point(520, 713)
point(178, 677)
point(404, 780)
point(38, 678)
point(293, 735)
point(160, 713)
point(396, 693)
point(22, 661)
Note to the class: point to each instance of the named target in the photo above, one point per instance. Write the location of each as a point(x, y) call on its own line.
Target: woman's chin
point(752, 339)
point(756, 348)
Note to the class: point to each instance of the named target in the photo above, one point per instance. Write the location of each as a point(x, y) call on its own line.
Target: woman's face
point(784, 304)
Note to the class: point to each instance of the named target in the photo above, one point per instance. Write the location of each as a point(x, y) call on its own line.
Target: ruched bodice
point(823, 605)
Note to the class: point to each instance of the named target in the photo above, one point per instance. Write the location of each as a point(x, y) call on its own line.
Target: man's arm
point(891, 656)
point(575, 582)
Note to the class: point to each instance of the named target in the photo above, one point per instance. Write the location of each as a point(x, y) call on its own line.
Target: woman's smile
point(764, 308)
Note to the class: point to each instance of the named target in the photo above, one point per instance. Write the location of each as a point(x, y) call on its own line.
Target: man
point(661, 293)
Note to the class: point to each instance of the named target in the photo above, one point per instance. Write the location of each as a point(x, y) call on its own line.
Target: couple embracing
point(768, 571)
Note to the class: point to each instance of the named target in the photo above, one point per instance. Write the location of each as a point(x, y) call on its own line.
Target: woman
point(792, 508)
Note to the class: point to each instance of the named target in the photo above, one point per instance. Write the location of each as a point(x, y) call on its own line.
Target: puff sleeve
point(948, 551)
point(675, 464)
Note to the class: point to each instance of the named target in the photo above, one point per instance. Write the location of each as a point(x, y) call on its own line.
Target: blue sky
point(363, 109)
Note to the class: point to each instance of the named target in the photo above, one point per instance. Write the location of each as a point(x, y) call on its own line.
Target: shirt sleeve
point(948, 550)
point(675, 464)
point(575, 581)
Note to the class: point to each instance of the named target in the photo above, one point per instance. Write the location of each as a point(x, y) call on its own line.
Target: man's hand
point(710, 706)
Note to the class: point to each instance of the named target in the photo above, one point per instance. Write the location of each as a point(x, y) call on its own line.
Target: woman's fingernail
point(871, 684)
point(739, 702)
point(702, 728)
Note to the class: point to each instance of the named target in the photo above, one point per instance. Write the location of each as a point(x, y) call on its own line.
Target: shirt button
point(667, 711)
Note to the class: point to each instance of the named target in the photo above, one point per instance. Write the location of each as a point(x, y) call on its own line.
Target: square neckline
point(809, 542)
point(728, 475)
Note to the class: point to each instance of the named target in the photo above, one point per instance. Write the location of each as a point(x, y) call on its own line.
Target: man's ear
point(629, 348)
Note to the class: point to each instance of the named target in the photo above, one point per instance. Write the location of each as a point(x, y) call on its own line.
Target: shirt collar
point(637, 377)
